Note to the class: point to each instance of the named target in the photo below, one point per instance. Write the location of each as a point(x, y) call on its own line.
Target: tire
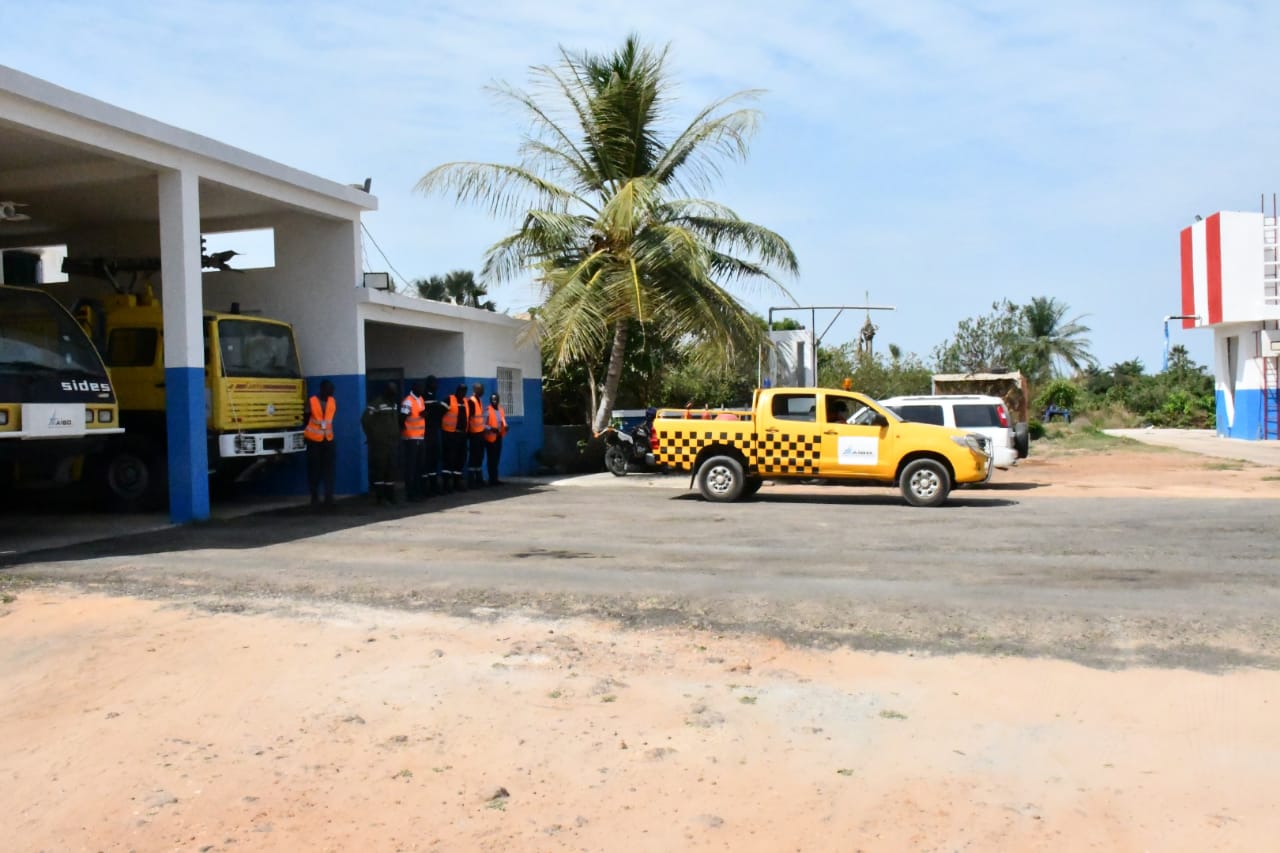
point(615, 459)
point(134, 477)
point(752, 486)
point(1021, 439)
point(925, 482)
point(721, 479)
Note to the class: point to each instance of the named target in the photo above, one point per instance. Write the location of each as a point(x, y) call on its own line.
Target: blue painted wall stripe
point(1248, 423)
point(188, 449)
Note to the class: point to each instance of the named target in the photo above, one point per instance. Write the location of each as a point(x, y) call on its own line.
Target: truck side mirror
point(879, 420)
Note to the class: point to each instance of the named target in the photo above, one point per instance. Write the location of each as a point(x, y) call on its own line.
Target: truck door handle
point(771, 429)
point(830, 432)
point(159, 384)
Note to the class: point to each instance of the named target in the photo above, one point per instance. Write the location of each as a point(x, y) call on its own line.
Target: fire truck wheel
point(135, 477)
point(721, 478)
point(925, 482)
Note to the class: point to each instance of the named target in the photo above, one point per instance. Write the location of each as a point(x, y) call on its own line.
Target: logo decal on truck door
point(858, 450)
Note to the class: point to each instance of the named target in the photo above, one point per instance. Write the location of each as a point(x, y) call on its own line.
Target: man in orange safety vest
point(495, 428)
point(318, 436)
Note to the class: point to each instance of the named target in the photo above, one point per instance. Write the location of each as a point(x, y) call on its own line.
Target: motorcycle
point(630, 449)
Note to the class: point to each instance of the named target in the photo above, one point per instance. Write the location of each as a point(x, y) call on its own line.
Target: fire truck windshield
point(38, 336)
point(251, 348)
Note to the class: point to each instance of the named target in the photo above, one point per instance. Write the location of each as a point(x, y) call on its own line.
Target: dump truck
point(798, 434)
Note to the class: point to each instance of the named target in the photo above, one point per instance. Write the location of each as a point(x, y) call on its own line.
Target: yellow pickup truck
point(817, 433)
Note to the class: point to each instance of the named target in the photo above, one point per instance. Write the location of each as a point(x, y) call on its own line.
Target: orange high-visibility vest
point(496, 421)
point(415, 425)
point(475, 415)
point(320, 424)
point(449, 420)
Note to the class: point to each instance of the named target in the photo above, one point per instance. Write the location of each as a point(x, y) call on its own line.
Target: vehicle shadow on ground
point(260, 529)
point(956, 500)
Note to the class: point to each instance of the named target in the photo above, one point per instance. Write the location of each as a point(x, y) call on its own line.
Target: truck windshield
point(254, 349)
point(37, 335)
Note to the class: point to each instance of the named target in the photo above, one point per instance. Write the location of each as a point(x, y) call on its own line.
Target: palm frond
point(499, 187)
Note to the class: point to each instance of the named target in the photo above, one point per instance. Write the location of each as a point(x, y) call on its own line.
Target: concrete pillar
point(183, 346)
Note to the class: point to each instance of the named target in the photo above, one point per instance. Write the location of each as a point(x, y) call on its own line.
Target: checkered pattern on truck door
point(784, 453)
point(680, 441)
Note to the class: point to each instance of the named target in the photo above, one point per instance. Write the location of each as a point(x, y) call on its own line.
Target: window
point(132, 347)
point(977, 416)
point(919, 414)
point(511, 391)
point(37, 335)
point(249, 250)
point(251, 348)
point(795, 407)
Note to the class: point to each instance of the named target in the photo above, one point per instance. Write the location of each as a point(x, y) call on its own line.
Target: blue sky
point(938, 155)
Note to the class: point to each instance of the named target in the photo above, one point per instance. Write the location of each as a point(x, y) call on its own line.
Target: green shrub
point(1060, 392)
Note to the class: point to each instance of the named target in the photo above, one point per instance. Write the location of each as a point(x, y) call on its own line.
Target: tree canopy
point(610, 223)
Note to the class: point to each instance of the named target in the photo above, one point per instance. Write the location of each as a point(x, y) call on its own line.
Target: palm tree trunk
point(612, 376)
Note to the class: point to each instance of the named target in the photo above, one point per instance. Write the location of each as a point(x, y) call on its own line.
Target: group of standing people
point(440, 445)
point(444, 444)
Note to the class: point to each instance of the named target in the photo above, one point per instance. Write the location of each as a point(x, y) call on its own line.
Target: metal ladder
point(1270, 254)
point(1270, 396)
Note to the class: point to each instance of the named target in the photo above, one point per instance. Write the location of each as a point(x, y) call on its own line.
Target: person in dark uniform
point(381, 425)
point(318, 436)
point(434, 413)
point(475, 435)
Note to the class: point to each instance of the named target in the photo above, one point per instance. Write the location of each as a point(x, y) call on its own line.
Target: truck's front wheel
point(135, 477)
point(721, 478)
point(925, 482)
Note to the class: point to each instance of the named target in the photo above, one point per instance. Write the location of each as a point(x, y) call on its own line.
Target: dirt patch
point(1150, 472)
point(131, 724)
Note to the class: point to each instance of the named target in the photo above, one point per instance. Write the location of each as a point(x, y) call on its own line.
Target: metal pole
point(1167, 318)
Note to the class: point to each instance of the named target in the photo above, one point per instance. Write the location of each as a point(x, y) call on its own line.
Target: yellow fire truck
point(254, 390)
point(57, 403)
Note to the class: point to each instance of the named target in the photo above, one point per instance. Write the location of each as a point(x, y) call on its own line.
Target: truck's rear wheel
point(925, 482)
point(721, 478)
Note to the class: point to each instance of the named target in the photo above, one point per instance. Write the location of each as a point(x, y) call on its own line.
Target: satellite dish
point(9, 212)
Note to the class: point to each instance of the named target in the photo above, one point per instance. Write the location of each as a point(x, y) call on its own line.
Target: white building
point(103, 181)
point(1231, 284)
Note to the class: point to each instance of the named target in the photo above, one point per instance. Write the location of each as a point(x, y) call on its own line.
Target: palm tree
point(607, 222)
point(459, 287)
point(1046, 341)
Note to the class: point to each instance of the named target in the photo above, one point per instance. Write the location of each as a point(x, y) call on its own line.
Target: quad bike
point(630, 450)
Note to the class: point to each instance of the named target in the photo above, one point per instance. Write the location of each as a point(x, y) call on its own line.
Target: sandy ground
point(1151, 472)
point(132, 724)
point(153, 727)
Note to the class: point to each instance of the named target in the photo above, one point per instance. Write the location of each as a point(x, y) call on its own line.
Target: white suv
point(988, 416)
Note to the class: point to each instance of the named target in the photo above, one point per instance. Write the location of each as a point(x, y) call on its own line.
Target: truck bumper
point(247, 445)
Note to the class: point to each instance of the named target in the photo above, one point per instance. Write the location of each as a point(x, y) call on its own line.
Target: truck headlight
point(4, 417)
point(88, 415)
point(246, 444)
point(104, 416)
point(976, 443)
